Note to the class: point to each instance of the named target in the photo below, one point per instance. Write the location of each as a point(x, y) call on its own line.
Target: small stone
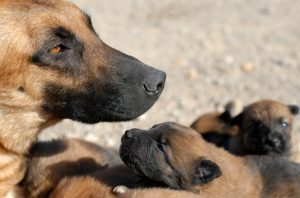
point(91, 137)
point(111, 142)
point(193, 74)
point(248, 67)
point(229, 59)
point(181, 62)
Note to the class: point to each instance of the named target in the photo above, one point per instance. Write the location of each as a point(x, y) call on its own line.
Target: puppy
point(54, 165)
point(262, 128)
point(266, 128)
point(179, 157)
point(216, 127)
point(54, 66)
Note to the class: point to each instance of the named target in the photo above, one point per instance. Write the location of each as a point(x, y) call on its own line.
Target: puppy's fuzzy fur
point(179, 157)
point(263, 127)
point(56, 167)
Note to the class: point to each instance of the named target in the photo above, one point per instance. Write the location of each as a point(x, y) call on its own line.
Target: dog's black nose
point(155, 82)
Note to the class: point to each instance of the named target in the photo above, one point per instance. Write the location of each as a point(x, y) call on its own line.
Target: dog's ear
point(205, 171)
point(294, 109)
point(226, 117)
point(237, 120)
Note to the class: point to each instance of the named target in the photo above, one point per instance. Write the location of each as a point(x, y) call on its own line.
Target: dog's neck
point(237, 177)
point(20, 124)
point(18, 130)
point(20, 121)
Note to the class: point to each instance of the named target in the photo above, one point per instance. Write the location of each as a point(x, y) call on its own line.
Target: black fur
point(89, 23)
point(294, 109)
point(275, 172)
point(260, 139)
point(145, 153)
point(205, 171)
point(226, 117)
point(221, 140)
point(117, 90)
point(139, 152)
point(68, 60)
point(120, 97)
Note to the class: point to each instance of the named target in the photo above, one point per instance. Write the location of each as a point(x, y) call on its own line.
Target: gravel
point(212, 51)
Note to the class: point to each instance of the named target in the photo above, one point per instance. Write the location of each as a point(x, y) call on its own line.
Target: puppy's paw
point(120, 189)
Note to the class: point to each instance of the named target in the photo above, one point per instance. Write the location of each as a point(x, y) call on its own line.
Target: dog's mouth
point(91, 104)
point(265, 145)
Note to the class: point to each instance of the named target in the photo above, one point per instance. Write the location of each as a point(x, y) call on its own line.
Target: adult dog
point(54, 66)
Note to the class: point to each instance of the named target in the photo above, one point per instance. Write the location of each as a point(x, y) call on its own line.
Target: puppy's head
point(53, 62)
point(169, 153)
point(266, 127)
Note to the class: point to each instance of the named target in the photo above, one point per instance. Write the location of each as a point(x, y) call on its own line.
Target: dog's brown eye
point(56, 50)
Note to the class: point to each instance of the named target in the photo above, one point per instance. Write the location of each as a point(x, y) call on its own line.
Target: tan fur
point(89, 187)
point(239, 178)
point(209, 122)
point(21, 118)
point(270, 111)
point(228, 184)
point(250, 177)
point(23, 30)
point(266, 110)
point(82, 187)
point(52, 161)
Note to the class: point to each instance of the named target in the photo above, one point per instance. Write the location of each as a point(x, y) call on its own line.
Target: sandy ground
point(212, 51)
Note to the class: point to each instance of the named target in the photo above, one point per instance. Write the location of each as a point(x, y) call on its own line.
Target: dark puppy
point(54, 66)
point(263, 128)
point(179, 157)
point(266, 128)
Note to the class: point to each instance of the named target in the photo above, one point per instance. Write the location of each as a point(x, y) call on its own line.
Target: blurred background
point(213, 51)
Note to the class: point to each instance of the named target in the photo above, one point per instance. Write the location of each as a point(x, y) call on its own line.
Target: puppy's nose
point(155, 82)
point(274, 140)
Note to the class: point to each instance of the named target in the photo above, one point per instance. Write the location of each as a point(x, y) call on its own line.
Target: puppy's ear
point(237, 120)
point(205, 171)
point(294, 109)
point(226, 117)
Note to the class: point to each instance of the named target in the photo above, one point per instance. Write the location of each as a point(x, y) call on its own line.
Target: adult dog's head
point(52, 62)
